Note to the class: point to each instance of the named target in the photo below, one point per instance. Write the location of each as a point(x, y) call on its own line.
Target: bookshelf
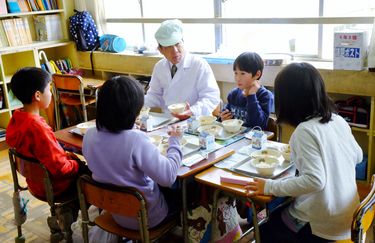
point(13, 58)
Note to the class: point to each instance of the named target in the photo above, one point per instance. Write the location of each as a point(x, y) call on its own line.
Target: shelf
point(4, 110)
point(358, 129)
point(20, 14)
point(35, 45)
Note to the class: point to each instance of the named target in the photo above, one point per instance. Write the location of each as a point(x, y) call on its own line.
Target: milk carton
point(350, 48)
point(206, 140)
point(258, 139)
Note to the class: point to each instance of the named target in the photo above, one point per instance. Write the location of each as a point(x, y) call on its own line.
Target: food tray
point(159, 120)
point(246, 168)
point(224, 135)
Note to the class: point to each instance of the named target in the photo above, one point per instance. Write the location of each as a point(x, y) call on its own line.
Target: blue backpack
point(83, 30)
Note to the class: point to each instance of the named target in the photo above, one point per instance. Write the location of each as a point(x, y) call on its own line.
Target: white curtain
point(96, 8)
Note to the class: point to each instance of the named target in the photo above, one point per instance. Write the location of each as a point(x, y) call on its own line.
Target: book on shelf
point(22, 32)
point(24, 6)
point(47, 4)
point(40, 5)
point(54, 4)
point(27, 29)
point(3, 7)
point(9, 27)
point(48, 27)
point(13, 6)
point(33, 5)
point(3, 37)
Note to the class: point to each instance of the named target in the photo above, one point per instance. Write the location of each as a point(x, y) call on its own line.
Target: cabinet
point(14, 58)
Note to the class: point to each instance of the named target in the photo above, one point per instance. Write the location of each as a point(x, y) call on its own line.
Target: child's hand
point(252, 89)
point(225, 115)
point(175, 131)
point(256, 187)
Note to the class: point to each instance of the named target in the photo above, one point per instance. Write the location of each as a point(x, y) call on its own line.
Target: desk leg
point(255, 221)
point(184, 211)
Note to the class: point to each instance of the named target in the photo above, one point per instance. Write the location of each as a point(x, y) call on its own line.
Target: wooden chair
point(364, 215)
point(272, 126)
point(69, 90)
point(61, 218)
point(124, 201)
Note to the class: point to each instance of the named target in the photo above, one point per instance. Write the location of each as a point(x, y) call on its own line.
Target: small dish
point(232, 125)
point(268, 153)
point(265, 166)
point(83, 127)
point(206, 120)
point(177, 108)
point(211, 129)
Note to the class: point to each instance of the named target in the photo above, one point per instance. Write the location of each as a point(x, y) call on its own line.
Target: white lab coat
point(193, 82)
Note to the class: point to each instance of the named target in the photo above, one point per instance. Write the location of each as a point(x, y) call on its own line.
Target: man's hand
point(255, 188)
point(184, 115)
point(225, 115)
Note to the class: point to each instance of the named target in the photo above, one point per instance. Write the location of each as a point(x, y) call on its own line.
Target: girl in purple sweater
point(120, 155)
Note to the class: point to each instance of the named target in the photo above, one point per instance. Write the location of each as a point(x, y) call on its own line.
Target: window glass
point(178, 8)
point(265, 38)
point(346, 8)
point(270, 8)
point(122, 9)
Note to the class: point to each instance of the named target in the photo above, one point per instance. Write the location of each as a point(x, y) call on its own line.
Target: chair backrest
point(125, 201)
point(272, 126)
point(364, 215)
point(67, 82)
point(32, 170)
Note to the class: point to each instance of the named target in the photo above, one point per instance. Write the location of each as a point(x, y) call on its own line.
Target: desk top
point(75, 140)
point(92, 83)
point(211, 177)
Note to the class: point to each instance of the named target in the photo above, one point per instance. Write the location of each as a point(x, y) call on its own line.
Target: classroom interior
point(206, 36)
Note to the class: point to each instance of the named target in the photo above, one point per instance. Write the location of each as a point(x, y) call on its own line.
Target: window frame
point(218, 22)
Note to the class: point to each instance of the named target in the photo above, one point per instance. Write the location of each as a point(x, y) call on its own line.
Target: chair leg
point(20, 238)
point(65, 219)
point(84, 111)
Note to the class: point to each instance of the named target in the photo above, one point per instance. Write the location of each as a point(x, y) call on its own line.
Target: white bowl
point(211, 129)
point(206, 120)
point(265, 165)
point(268, 153)
point(155, 139)
point(177, 108)
point(232, 125)
point(83, 127)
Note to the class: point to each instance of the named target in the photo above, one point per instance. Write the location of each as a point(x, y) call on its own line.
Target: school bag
point(83, 31)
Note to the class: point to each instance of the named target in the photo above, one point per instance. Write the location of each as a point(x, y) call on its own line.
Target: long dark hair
point(300, 95)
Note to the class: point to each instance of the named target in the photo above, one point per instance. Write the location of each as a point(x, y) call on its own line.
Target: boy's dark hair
point(249, 62)
point(300, 95)
point(26, 81)
point(119, 102)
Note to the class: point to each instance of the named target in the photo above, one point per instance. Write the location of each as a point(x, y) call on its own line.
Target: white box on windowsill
point(350, 50)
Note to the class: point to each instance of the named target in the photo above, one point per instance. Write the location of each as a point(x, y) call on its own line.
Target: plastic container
point(112, 43)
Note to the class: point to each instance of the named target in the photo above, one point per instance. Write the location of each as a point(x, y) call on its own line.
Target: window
point(301, 28)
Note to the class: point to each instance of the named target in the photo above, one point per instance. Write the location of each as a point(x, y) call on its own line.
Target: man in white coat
point(181, 77)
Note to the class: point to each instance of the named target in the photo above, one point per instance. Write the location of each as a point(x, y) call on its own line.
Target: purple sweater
point(130, 159)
